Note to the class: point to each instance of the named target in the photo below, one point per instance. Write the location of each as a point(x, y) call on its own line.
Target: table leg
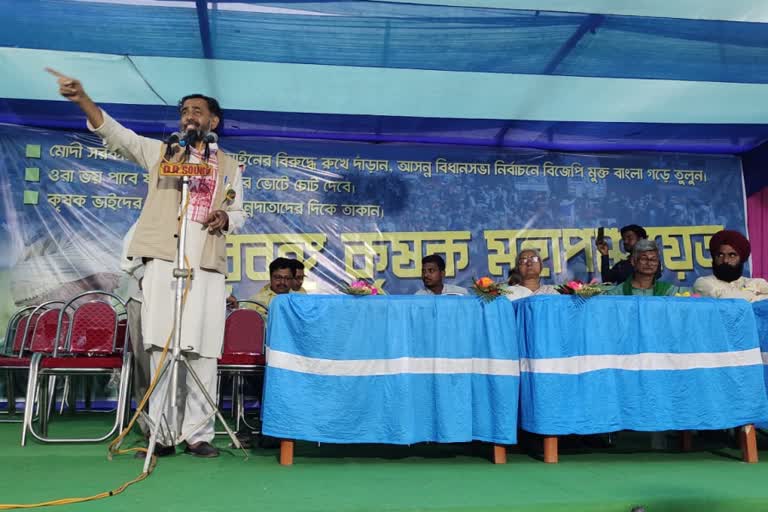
point(686, 440)
point(499, 454)
point(286, 452)
point(550, 449)
point(748, 444)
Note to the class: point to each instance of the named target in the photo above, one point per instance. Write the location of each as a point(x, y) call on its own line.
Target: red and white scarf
point(202, 190)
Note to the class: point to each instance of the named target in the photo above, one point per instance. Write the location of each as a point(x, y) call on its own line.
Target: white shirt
point(747, 288)
point(448, 289)
point(520, 292)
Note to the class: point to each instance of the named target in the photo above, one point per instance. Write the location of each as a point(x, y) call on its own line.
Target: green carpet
point(456, 478)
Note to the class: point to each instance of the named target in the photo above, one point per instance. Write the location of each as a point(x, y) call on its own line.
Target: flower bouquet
point(582, 289)
point(360, 287)
point(488, 290)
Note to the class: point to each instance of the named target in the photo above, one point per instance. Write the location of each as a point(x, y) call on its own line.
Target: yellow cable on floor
point(111, 449)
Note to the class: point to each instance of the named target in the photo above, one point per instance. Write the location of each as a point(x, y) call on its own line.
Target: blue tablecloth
point(391, 369)
point(641, 363)
point(761, 316)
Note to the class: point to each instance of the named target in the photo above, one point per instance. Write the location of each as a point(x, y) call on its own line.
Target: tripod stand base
point(161, 427)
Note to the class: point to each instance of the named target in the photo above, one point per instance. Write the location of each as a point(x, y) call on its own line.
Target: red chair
point(243, 355)
point(36, 329)
point(12, 359)
point(92, 348)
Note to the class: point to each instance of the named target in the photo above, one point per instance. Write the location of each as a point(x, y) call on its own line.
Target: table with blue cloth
point(606, 364)
point(761, 316)
point(391, 370)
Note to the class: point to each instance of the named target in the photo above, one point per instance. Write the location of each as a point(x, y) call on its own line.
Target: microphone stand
point(170, 369)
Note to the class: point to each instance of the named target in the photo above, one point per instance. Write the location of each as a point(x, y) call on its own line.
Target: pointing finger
point(56, 73)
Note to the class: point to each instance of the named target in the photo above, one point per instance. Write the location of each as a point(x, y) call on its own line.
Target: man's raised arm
point(142, 150)
point(72, 89)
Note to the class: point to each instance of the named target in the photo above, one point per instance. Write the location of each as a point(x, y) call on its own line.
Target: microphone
point(174, 138)
point(209, 138)
point(191, 137)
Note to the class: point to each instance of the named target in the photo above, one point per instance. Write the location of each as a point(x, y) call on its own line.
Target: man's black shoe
point(246, 439)
point(202, 449)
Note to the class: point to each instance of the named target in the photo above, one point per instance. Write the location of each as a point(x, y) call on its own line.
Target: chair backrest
point(244, 332)
point(122, 334)
point(14, 332)
point(18, 335)
point(93, 329)
point(254, 305)
point(43, 336)
point(24, 332)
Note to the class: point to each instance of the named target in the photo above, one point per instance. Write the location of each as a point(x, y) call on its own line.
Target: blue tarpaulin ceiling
point(692, 76)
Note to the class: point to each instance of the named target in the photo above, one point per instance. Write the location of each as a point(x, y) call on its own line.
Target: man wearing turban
point(730, 250)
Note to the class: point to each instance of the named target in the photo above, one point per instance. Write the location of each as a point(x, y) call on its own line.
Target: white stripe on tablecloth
point(646, 361)
point(400, 365)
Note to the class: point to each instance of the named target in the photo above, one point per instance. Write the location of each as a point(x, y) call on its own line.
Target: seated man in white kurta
point(215, 209)
point(730, 251)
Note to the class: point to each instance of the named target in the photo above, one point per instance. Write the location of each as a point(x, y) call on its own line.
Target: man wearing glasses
point(529, 268)
point(281, 277)
point(730, 251)
point(644, 279)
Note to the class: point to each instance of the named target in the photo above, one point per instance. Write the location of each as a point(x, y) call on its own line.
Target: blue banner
point(358, 210)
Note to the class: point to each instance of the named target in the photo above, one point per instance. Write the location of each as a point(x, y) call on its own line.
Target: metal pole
point(181, 272)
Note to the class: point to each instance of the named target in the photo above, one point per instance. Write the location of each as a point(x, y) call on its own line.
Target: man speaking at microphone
point(214, 210)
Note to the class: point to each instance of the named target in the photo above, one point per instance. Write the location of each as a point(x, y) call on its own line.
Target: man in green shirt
point(643, 280)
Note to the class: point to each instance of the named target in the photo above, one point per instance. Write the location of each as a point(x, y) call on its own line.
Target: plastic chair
point(92, 348)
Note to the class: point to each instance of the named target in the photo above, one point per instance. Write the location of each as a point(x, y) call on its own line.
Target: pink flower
point(359, 285)
point(575, 285)
point(374, 291)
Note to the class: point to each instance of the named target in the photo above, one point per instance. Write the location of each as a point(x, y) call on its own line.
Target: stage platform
point(427, 477)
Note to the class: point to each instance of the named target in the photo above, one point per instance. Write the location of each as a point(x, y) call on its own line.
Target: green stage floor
point(456, 478)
